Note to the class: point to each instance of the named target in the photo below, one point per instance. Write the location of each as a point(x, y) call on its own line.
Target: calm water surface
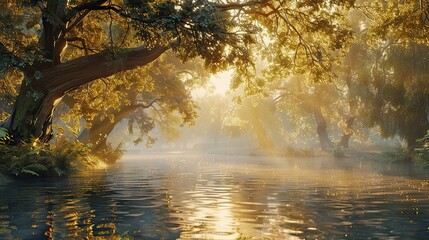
point(183, 196)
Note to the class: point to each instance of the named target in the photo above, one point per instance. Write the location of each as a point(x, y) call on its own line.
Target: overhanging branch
point(77, 72)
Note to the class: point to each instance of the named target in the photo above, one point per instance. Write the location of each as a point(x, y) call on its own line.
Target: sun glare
point(221, 82)
point(218, 85)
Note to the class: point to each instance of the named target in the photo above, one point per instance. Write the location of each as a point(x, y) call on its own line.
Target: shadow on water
point(192, 196)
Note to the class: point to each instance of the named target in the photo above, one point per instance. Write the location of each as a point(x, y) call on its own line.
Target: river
point(203, 196)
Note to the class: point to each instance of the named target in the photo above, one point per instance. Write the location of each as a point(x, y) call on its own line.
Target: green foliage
point(397, 155)
point(337, 151)
point(395, 94)
point(110, 155)
point(4, 136)
point(58, 159)
point(390, 67)
point(421, 153)
point(409, 16)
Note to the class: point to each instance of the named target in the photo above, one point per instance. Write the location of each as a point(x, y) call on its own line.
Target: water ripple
point(209, 197)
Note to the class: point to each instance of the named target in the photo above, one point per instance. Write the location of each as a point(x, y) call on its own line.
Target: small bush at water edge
point(58, 159)
point(421, 153)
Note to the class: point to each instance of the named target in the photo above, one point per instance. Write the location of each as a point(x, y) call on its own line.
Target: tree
point(256, 115)
point(390, 70)
point(310, 108)
point(396, 96)
point(54, 48)
point(299, 37)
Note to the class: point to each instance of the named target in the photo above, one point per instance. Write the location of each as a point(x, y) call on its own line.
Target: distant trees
point(378, 79)
point(394, 94)
point(301, 50)
point(388, 64)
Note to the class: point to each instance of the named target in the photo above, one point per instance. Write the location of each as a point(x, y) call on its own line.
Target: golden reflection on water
point(212, 198)
point(218, 209)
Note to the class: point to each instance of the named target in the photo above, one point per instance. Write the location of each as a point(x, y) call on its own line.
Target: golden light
point(218, 85)
point(221, 82)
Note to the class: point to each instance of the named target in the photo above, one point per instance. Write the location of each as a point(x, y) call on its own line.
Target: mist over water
point(203, 196)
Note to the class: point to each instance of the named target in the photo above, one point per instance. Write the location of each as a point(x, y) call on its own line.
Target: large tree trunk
point(325, 142)
point(348, 131)
point(32, 114)
point(347, 134)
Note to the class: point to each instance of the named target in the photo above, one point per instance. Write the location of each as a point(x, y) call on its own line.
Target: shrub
point(421, 153)
point(398, 154)
point(63, 157)
point(108, 154)
point(337, 151)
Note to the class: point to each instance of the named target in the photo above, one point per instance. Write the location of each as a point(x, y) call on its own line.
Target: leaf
point(36, 167)
point(29, 172)
point(4, 133)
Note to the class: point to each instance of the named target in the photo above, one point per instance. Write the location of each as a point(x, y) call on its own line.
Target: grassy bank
point(58, 159)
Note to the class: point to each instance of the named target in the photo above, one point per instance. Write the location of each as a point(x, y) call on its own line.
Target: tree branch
point(77, 72)
point(232, 6)
point(82, 48)
point(77, 21)
point(54, 16)
point(81, 40)
point(140, 105)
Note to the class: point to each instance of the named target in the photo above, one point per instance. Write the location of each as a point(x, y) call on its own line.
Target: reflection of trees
point(84, 207)
point(225, 198)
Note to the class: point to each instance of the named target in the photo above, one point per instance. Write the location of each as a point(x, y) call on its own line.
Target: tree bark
point(348, 131)
point(32, 114)
point(347, 134)
point(325, 142)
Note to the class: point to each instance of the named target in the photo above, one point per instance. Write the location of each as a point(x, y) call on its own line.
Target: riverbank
point(375, 153)
point(44, 160)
